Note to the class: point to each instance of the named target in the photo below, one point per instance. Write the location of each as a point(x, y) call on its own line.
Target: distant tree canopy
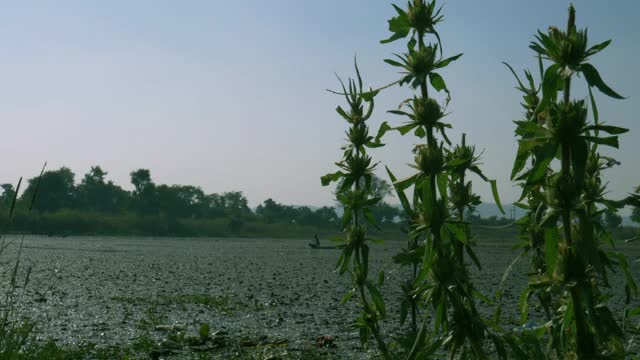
point(474, 218)
point(8, 193)
point(95, 204)
point(57, 191)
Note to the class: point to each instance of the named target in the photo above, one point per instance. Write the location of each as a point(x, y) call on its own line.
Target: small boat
point(316, 245)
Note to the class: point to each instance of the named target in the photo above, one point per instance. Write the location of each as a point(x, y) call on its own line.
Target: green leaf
point(401, 195)
point(514, 74)
point(404, 129)
point(549, 86)
point(377, 299)
point(368, 97)
point(373, 145)
point(551, 238)
point(204, 331)
point(405, 183)
point(524, 304)
point(479, 172)
point(459, 231)
point(624, 265)
point(634, 312)
point(384, 127)
point(496, 197)
point(473, 257)
point(523, 154)
point(393, 63)
point(447, 61)
point(411, 44)
point(346, 217)
point(380, 278)
point(482, 297)
point(404, 311)
point(528, 129)
point(347, 296)
point(437, 82)
point(594, 79)
point(609, 140)
point(370, 218)
point(613, 130)
point(344, 260)
point(399, 26)
point(546, 155)
point(342, 113)
point(579, 155)
point(329, 178)
point(597, 48)
point(400, 112)
point(594, 108)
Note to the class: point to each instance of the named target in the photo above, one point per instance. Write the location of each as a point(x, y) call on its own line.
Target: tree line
point(64, 205)
point(96, 205)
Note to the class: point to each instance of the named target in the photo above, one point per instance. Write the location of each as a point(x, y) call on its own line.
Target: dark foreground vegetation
point(560, 168)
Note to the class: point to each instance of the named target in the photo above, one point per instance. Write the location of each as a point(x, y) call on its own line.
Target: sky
point(231, 95)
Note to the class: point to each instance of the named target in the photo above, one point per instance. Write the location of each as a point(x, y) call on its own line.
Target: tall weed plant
point(558, 166)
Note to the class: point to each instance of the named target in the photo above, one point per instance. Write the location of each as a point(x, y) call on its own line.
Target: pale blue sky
point(230, 95)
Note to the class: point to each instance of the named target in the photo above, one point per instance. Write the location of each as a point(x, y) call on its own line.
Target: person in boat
point(317, 243)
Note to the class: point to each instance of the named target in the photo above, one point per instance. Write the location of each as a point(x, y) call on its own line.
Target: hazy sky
point(230, 95)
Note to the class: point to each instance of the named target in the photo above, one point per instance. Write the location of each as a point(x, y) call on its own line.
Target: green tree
point(8, 193)
point(143, 198)
point(236, 204)
point(179, 201)
point(271, 212)
point(212, 206)
point(326, 215)
point(303, 215)
point(97, 195)
point(56, 191)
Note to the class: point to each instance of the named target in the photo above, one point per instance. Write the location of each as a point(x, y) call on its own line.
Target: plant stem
point(461, 189)
point(585, 345)
point(361, 278)
point(375, 329)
